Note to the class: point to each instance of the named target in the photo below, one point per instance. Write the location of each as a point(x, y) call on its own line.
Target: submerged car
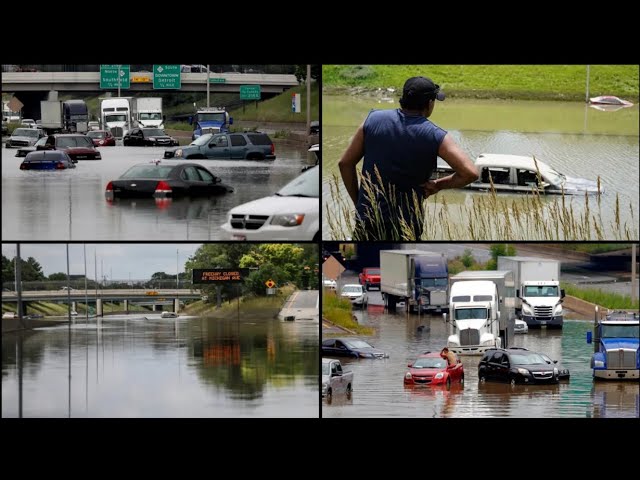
point(516, 365)
point(148, 136)
point(77, 146)
point(234, 146)
point(350, 347)
point(43, 160)
point(431, 369)
point(520, 326)
point(166, 179)
point(23, 151)
point(24, 137)
point(102, 138)
point(610, 100)
point(292, 213)
point(522, 174)
point(355, 293)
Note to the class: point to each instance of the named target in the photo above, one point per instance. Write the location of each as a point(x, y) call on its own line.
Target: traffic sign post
point(270, 283)
point(167, 77)
point(115, 76)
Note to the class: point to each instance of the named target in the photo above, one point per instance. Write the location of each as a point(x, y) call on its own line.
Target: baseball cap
point(419, 90)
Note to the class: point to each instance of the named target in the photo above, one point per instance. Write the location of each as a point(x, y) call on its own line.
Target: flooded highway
point(135, 366)
point(378, 389)
point(70, 204)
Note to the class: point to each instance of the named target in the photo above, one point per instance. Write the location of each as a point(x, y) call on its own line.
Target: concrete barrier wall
point(582, 307)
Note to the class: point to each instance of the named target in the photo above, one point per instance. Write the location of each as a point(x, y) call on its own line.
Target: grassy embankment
point(49, 309)
point(612, 301)
point(524, 82)
point(339, 311)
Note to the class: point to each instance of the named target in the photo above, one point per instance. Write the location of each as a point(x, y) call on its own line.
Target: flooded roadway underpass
point(135, 366)
point(378, 389)
point(70, 204)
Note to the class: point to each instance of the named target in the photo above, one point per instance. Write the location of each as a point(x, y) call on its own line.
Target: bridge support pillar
point(126, 306)
point(74, 306)
point(99, 307)
point(153, 307)
point(176, 304)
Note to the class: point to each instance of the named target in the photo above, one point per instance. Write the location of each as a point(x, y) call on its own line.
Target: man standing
point(400, 149)
point(450, 357)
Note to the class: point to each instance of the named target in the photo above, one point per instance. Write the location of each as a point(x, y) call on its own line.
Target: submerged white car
point(293, 213)
point(520, 326)
point(355, 293)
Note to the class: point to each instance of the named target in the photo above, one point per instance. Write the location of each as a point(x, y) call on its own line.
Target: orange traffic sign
point(270, 283)
point(332, 268)
point(15, 105)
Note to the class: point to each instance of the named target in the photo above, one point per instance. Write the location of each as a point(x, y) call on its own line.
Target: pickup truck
point(334, 380)
point(370, 277)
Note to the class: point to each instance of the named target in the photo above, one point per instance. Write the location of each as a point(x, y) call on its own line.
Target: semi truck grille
point(470, 336)
point(210, 130)
point(543, 312)
point(621, 358)
point(116, 132)
point(248, 222)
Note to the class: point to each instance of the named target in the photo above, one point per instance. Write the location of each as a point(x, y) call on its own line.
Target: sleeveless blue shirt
point(404, 148)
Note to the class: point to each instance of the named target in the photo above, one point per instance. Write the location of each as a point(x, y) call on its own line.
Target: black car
point(47, 160)
point(350, 347)
point(166, 179)
point(516, 366)
point(148, 136)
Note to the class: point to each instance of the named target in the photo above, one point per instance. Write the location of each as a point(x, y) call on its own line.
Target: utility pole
point(177, 282)
point(587, 96)
point(18, 275)
point(634, 282)
point(308, 98)
point(208, 80)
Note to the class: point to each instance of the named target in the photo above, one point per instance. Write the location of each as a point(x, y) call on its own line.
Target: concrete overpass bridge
point(126, 296)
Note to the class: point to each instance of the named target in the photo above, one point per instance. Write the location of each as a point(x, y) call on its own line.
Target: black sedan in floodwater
point(161, 179)
point(350, 347)
point(148, 136)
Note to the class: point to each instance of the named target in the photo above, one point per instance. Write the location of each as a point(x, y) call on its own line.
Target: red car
point(431, 369)
point(102, 138)
point(370, 277)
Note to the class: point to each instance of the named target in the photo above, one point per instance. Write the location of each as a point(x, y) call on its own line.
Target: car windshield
point(357, 344)
point(325, 369)
point(212, 117)
point(470, 313)
point(305, 185)
point(42, 141)
point(115, 118)
point(553, 177)
point(434, 282)
point(352, 289)
point(202, 139)
point(540, 291)
point(148, 171)
point(153, 132)
point(96, 134)
point(71, 142)
point(372, 271)
point(527, 359)
point(150, 116)
point(620, 331)
point(25, 132)
point(430, 362)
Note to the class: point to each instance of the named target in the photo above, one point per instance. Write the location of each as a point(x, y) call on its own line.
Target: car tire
point(349, 392)
point(329, 396)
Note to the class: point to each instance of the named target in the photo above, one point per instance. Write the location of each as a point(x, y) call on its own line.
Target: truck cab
point(475, 313)
point(115, 114)
point(615, 347)
point(210, 120)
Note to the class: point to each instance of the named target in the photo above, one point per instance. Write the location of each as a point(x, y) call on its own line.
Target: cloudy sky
point(117, 260)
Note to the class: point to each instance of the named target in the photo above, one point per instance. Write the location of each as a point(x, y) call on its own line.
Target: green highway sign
point(167, 77)
point(109, 75)
point(249, 92)
point(217, 80)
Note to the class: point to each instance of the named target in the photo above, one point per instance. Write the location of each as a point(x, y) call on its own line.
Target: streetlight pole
point(177, 283)
point(208, 80)
point(308, 98)
point(587, 96)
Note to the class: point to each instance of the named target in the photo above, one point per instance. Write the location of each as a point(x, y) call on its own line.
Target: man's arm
point(350, 158)
point(465, 171)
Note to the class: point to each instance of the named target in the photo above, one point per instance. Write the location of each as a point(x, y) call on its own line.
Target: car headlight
point(290, 220)
point(523, 371)
point(365, 355)
point(439, 375)
point(598, 363)
point(178, 153)
point(153, 139)
point(527, 309)
point(408, 376)
point(324, 385)
point(558, 309)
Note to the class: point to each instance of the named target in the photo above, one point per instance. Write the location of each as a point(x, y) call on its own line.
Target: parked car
point(102, 138)
point(431, 369)
point(77, 146)
point(516, 366)
point(369, 277)
point(292, 213)
point(64, 287)
point(47, 160)
point(355, 293)
point(10, 315)
point(148, 137)
point(34, 316)
point(563, 373)
point(610, 100)
point(93, 126)
point(24, 137)
point(330, 284)
point(313, 157)
point(29, 122)
point(520, 326)
point(23, 151)
point(335, 380)
point(350, 347)
point(234, 146)
point(166, 179)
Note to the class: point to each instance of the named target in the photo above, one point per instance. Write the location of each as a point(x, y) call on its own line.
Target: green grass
point(608, 300)
point(184, 126)
point(254, 306)
point(536, 82)
point(278, 109)
point(596, 247)
point(339, 311)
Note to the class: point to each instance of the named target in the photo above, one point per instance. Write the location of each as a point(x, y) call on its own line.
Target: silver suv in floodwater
point(24, 137)
point(234, 146)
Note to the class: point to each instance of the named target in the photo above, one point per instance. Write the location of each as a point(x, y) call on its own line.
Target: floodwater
point(571, 137)
point(70, 204)
point(378, 389)
point(184, 367)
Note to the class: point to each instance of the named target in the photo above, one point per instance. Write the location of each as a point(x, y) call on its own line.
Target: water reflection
point(131, 366)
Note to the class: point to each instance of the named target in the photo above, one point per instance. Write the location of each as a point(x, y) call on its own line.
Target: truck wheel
point(367, 286)
point(349, 392)
point(329, 396)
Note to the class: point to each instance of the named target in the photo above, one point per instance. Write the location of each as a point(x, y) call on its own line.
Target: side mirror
point(555, 361)
point(562, 293)
point(409, 365)
point(589, 337)
point(517, 293)
point(230, 120)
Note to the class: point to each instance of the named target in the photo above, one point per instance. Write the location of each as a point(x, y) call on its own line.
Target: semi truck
point(116, 115)
point(418, 278)
point(482, 311)
point(615, 346)
point(69, 116)
point(538, 294)
point(148, 112)
point(210, 120)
